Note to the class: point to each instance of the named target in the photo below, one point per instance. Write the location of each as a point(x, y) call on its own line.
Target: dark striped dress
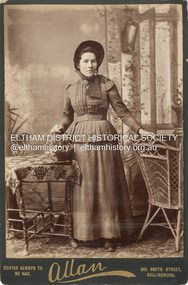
point(101, 205)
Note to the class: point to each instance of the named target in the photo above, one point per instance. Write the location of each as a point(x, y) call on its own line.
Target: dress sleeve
point(121, 109)
point(68, 112)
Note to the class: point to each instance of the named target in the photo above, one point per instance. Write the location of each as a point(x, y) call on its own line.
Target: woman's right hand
point(57, 129)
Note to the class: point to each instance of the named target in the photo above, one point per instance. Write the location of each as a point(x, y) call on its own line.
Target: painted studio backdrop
point(143, 56)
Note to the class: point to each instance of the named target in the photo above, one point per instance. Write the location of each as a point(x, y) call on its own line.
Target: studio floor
point(156, 242)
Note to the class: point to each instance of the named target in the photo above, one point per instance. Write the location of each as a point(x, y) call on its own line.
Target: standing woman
point(101, 205)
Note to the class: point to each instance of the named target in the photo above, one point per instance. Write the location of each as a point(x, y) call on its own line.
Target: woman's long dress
point(101, 205)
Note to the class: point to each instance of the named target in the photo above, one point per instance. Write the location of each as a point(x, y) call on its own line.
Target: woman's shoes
point(73, 243)
point(109, 245)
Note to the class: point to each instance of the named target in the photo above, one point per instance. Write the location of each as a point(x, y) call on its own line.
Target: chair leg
point(52, 219)
point(69, 198)
point(175, 231)
point(23, 215)
point(178, 230)
point(145, 225)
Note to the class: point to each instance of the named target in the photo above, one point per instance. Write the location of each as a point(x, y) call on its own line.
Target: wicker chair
point(161, 167)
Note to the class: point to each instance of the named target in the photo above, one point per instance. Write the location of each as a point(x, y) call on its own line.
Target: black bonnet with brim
point(92, 44)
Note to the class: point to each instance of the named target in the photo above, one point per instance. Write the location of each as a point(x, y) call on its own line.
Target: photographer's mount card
point(92, 193)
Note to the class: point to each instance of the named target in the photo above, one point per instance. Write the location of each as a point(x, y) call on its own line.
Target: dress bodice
point(84, 104)
point(77, 104)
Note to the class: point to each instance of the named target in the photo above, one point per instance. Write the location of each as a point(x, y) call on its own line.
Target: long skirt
point(101, 205)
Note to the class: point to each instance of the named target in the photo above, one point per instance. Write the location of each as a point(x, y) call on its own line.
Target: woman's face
point(88, 64)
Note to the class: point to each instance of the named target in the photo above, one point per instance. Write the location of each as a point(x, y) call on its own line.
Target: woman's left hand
point(144, 132)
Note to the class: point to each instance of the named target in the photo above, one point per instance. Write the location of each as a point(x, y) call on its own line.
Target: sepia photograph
point(93, 141)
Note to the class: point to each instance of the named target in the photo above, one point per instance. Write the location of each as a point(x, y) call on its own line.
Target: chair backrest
point(161, 167)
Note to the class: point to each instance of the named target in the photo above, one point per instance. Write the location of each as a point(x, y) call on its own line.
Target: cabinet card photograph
point(94, 158)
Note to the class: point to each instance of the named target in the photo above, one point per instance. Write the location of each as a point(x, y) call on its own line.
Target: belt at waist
point(89, 117)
